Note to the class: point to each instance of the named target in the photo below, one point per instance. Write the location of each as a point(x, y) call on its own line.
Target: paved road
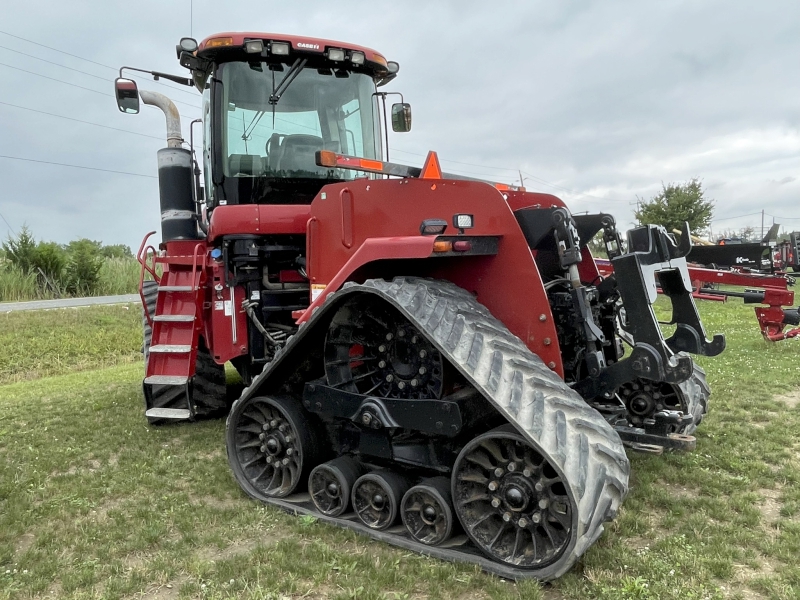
point(67, 302)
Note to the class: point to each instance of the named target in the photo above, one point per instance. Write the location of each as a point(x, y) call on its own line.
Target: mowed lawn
point(94, 503)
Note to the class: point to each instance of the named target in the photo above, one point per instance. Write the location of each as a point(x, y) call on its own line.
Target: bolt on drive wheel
point(330, 484)
point(427, 513)
point(271, 446)
point(512, 502)
point(376, 498)
point(372, 349)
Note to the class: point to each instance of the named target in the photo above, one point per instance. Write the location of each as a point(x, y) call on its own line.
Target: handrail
point(141, 256)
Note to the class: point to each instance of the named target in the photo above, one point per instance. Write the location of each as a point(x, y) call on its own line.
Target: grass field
point(96, 504)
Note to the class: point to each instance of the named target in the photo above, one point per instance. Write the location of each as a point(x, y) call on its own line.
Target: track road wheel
point(427, 511)
point(271, 446)
point(330, 485)
point(376, 498)
point(513, 502)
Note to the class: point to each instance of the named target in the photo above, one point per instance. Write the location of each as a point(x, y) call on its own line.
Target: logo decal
point(308, 46)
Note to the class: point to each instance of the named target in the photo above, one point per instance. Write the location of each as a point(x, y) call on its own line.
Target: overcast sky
point(596, 102)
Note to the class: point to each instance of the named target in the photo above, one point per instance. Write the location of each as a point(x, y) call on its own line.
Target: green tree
point(116, 251)
point(674, 204)
point(83, 266)
point(20, 250)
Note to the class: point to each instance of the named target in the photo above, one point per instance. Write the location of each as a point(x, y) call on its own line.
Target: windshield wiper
point(276, 94)
point(287, 80)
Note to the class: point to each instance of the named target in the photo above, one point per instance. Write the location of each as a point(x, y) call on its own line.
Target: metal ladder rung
point(176, 288)
point(167, 348)
point(169, 413)
point(174, 318)
point(166, 379)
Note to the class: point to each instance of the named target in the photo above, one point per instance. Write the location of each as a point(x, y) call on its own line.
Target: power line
point(85, 88)
point(538, 179)
point(57, 50)
point(54, 63)
point(86, 59)
point(80, 121)
point(9, 224)
point(736, 217)
point(54, 79)
point(783, 218)
point(47, 162)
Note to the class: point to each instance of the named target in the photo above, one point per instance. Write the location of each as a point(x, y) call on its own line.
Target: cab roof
point(222, 43)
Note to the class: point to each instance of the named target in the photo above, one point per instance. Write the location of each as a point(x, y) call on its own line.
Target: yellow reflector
point(217, 42)
point(372, 164)
point(326, 158)
point(378, 59)
point(442, 246)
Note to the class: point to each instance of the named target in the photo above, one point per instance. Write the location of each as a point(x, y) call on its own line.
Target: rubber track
point(695, 393)
point(208, 388)
point(552, 417)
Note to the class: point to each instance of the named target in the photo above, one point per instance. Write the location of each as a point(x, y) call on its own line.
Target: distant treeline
point(31, 270)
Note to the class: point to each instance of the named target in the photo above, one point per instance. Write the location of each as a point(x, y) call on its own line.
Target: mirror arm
point(158, 75)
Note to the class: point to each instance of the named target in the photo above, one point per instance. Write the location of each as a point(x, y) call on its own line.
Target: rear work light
point(335, 54)
point(357, 58)
point(279, 48)
point(254, 46)
point(433, 227)
point(463, 221)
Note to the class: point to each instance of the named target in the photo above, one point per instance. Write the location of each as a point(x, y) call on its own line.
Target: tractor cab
point(271, 102)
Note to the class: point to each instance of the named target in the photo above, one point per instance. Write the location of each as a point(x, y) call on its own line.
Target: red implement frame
point(769, 289)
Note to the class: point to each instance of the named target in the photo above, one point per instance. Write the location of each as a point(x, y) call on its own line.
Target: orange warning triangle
point(431, 168)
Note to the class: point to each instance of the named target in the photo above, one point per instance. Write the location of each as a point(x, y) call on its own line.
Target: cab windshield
point(321, 109)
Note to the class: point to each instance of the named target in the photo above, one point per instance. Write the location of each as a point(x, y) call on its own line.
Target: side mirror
point(127, 95)
point(188, 44)
point(401, 117)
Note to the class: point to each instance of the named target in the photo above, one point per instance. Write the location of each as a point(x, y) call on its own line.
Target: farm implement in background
point(778, 319)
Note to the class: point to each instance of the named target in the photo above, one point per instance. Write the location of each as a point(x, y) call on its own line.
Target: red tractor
point(415, 346)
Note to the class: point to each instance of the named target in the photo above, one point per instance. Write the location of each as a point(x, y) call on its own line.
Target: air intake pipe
point(178, 209)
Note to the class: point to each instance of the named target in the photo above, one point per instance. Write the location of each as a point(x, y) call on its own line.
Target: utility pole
point(762, 223)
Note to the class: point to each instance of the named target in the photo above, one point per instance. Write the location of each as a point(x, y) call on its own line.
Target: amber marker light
point(442, 246)
point(219, 42)
point(326, 158)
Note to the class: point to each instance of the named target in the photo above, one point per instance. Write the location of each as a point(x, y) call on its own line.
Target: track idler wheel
point(427, 513)
point(271, 446)
point(511, 501)
point(376, 498)
point(330, 485)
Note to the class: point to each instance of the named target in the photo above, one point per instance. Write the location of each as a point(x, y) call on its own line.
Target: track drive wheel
point(271, 445)
point(372, 349)
point(512, 501)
